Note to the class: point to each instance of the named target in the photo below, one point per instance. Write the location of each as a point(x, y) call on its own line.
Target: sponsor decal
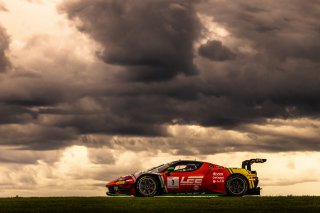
point(217, 177)
point(218, 174)
point(191, 180)
point(196, 187)
point(173, 182)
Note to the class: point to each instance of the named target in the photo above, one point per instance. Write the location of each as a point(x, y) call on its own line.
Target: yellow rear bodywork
point(249, 176)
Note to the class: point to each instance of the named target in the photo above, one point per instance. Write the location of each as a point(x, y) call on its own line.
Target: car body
point(189, 177)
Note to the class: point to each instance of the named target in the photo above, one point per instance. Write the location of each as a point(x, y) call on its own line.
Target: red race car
point(189, 177)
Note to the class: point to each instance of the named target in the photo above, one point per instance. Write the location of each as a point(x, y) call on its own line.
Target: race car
point(189, 177)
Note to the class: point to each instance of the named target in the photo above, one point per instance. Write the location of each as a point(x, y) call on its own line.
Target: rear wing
point(247, 163)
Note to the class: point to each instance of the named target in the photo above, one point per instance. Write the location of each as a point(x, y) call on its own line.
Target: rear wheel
point(236, 185)
point(147, 186)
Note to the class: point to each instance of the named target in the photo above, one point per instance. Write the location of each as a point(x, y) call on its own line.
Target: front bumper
point(129, 190)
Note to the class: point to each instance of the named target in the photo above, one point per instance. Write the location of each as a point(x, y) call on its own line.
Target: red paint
point(209, 178)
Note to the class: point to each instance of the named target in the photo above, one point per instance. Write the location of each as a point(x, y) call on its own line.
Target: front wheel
point(147, 186)
point(236, 185)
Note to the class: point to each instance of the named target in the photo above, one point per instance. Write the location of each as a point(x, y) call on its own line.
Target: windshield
point(160, 168)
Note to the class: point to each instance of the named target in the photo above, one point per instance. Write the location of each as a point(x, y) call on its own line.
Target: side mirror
point(170, 169)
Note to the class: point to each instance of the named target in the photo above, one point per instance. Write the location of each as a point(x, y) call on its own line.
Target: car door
point(185, 178)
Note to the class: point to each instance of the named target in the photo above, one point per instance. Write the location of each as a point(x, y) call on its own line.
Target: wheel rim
point(147, 186)
point(237, 186)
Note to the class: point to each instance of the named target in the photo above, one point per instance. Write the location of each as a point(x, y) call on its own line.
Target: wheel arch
point(237, 174)
point(242, 172)
point(158, 178)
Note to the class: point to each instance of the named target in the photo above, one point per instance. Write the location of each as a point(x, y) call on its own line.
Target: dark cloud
point(11, 114)
point(274, 73)
point(282, 67)
point(37, 137)
point(34, 91)
point(153, 40)
point(268, 82)
point(159, 85)
point(110, 124)
point(14, 156)
point(215, 51)
point(4, 45)
point(274, 29)
point(213, 141)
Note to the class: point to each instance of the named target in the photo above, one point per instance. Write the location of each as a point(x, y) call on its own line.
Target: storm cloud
point(91, 90)
point(161, 63)
point(4, 45)
point(214, 50)
point(153, 40)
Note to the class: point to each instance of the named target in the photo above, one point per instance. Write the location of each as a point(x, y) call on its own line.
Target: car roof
point(186, 161)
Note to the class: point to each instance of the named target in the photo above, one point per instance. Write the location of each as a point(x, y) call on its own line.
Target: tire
point(236, 185)
point(147, 186)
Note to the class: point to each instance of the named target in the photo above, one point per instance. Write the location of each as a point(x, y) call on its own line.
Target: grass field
point(162, 204)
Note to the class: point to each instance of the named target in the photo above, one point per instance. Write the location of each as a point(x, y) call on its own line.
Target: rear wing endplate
point(247, 163)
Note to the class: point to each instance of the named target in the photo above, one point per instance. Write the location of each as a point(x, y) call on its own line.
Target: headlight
point(124, 180)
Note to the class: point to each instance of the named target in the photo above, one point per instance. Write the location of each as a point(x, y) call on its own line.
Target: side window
point(186, 167)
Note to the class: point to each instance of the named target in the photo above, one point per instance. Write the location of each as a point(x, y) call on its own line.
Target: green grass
point(162, 204)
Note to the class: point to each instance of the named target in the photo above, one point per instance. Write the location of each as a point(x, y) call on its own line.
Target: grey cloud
point(282, 69)
point(215, 51)
point(11, 114)
point(101, 156)
point(115, 172)
point(188, 146)
point(111, 125)
point(153, 40)
point(14, 156)
point(278, 29)
point(252, 87)
point(4, 45)
point(35, 91)
point(36, 137)
point(194, 141)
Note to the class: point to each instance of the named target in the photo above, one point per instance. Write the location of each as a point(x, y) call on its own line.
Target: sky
point(92, 90)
